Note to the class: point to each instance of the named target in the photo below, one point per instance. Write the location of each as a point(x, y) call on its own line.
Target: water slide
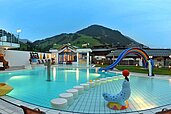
point(120, 57)
point(147, 62)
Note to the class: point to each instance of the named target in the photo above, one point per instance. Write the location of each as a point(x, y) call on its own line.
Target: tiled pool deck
point(89, 102)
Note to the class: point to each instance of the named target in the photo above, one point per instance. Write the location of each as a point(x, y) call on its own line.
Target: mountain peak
point(94, 26)
point(109, 36)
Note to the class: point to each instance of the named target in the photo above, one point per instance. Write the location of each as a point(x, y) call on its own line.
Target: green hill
point(107, 35)
point(58, 40)
point(93, 35)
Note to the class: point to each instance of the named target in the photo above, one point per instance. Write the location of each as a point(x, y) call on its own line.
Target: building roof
point(84, 50)
point(69, 47)
point(150, 52)
point(102, 49)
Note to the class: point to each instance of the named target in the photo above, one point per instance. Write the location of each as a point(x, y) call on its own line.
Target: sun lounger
point(4, 89)
point(26, 110)
point(31, 111)
point(2, 66)
point(164, 111)
point(43, 61)
point(39, 62)
point(69, 62)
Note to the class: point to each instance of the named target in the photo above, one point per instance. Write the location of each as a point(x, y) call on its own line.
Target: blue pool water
point(31, 85)
point(146, 93)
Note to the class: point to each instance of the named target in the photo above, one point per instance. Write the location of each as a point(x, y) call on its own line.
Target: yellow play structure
point(4, 89)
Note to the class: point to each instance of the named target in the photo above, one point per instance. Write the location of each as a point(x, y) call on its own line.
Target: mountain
point(109, 36)
point(25, 41)
point(58, 40)
point(93, 35)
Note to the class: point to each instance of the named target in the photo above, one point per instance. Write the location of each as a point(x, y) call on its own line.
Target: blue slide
point(120, 57)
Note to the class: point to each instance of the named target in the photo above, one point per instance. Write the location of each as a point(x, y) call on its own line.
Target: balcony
point(9, 42)
point(9, 45)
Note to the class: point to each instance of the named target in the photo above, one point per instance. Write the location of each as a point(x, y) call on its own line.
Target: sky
point(146, 21)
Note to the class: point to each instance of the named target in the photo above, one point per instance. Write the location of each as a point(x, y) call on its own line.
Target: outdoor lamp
point(169, 56)
point(18, 33)
point(18, 30)
point(150, 57)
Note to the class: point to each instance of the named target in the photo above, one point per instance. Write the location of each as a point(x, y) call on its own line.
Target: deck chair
point(164, 111)
point(26, 110)
point(43, 61)
point(39, 61)
point(31, 111)
point(2, 66)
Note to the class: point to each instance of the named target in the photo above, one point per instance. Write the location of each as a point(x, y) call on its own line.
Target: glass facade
point(67, 55)
point(8, 39)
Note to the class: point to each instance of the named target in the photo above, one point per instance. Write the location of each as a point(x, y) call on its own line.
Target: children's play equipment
point(34, 56)
point(4, 89)
point(119, 101)
point(147, 62)
point(3, 62)
point(125, 73)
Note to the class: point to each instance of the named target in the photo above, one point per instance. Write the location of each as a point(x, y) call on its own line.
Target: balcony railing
point(9, 42)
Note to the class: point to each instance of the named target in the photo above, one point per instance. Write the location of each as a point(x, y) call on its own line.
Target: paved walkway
point(6, 108)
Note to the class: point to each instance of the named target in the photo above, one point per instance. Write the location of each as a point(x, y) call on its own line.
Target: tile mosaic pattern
point(92, 101)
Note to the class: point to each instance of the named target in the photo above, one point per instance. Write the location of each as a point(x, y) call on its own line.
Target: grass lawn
point(160, 71)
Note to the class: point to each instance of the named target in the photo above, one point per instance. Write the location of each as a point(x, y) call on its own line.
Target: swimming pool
point(31, 86)
point(146, 93)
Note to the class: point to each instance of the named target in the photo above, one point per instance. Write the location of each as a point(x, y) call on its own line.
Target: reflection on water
point(66, 75)
point(96, 70)
point(77, 74)
point(18, 77)
point(54, 73)
point(88, 74)
point(142, 103)
point(170, 81)
point(69, 70)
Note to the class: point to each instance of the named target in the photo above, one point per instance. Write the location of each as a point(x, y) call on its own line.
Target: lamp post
point(18, 33)
point(113, 56)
